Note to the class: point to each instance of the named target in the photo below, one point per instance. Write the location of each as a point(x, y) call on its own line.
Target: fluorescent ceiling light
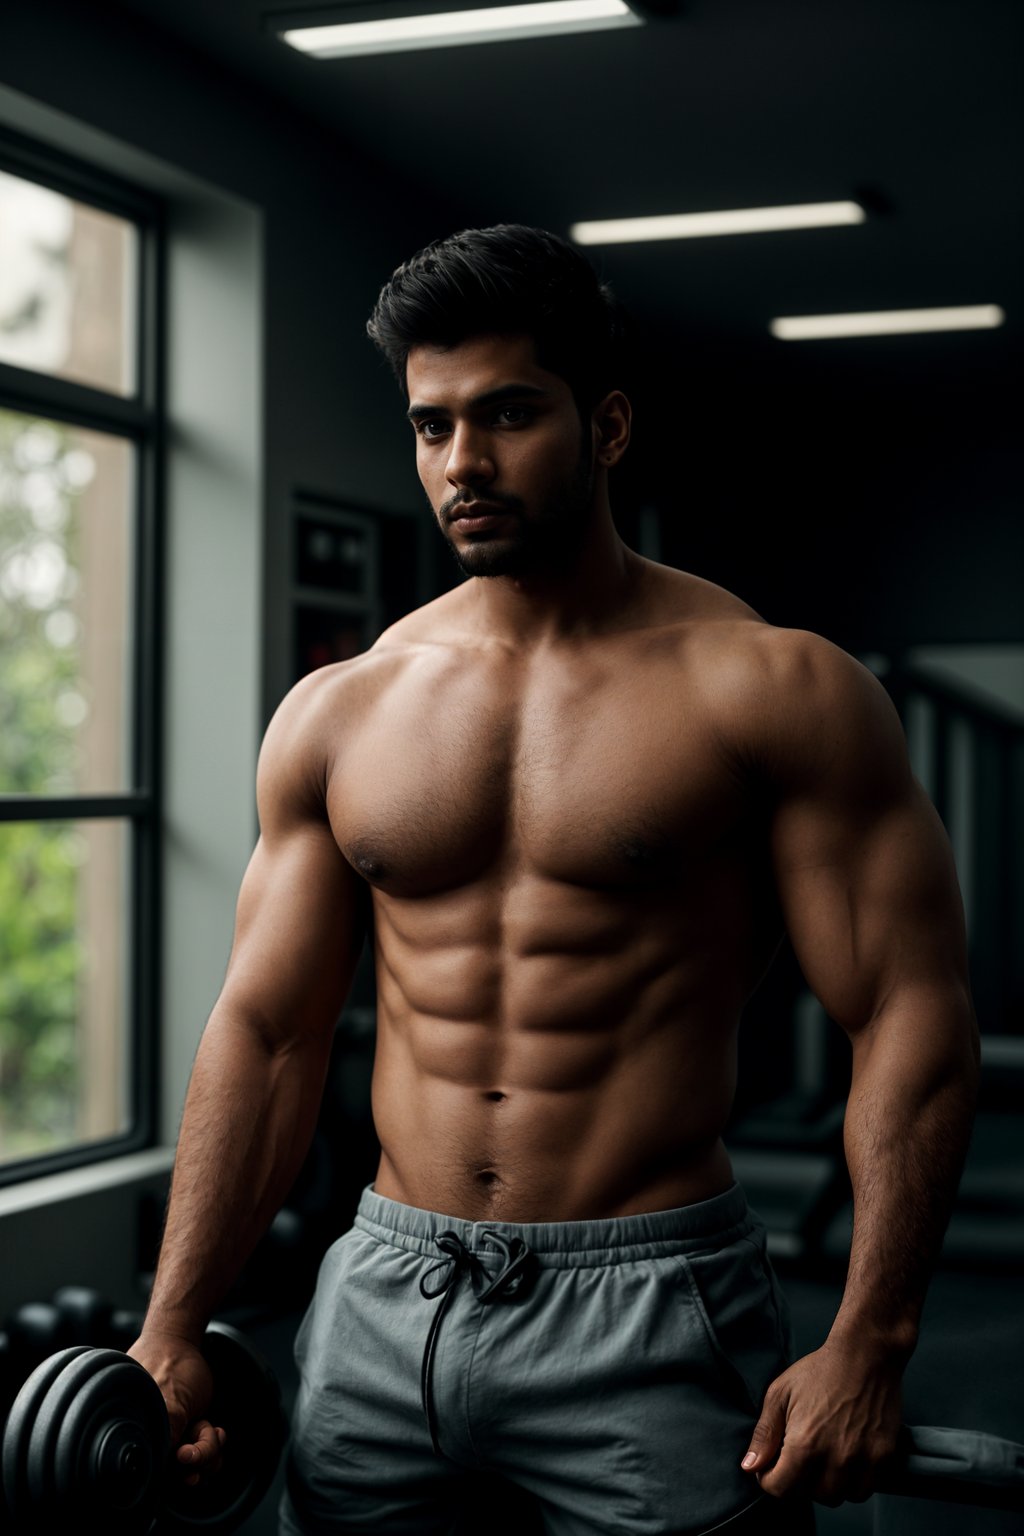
point(444, 29)
point(888, 322)
point(729, 221)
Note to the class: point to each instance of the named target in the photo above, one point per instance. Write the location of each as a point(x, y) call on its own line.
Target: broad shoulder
point(301, 741)
point(798, 707)
point(344, 691)
point(742, 661)
point(314, 703)
point(753, 656)
point(326, 708)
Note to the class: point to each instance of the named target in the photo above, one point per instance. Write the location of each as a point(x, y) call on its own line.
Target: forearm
point(249, 1118)
point(907, 1127)
point(831, 1420)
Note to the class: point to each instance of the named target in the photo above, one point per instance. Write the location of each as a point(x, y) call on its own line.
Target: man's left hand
point(827, 1425)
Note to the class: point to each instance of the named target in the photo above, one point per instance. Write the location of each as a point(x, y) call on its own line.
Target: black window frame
point(139, 419)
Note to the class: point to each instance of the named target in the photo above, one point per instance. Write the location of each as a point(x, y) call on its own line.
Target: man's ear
point(611, 422)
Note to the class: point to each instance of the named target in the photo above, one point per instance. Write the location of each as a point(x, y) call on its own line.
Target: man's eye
point(519, 413)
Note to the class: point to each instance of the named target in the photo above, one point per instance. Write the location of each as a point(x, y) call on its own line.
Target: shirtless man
point(588, 794)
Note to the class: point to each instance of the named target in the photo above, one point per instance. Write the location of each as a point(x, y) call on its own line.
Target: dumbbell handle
point(960, 1466)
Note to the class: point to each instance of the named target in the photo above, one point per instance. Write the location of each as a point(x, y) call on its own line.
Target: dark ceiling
point(914, 104)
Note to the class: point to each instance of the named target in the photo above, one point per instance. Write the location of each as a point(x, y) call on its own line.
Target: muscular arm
point(869, 894)
point(258, 1077)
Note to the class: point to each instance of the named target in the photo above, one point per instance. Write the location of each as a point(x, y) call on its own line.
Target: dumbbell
point(76, 1315)
point(87, 1445)
point(85, 1314)
point(34, 1331)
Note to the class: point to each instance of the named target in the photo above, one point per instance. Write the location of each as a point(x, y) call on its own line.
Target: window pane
point(63, 1055)
point(65, 580)
point(68, 287)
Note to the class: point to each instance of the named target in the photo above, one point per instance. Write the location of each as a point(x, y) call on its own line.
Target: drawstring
point(513, 1279)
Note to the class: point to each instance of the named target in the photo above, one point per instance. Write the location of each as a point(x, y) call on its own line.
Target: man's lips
point(480, 514)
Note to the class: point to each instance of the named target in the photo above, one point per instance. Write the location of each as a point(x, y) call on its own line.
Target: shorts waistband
point(706, 1224)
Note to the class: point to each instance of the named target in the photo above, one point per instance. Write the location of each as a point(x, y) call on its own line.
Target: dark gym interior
point(261, 493)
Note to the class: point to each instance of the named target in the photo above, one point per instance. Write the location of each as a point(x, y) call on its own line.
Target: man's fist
point(184, 1378)
point(828, 1424)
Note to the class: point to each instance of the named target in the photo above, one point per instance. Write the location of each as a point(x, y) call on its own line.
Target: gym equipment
point(958, 1466)
point(87, 1445)
point(38, 1329)
point(34, 1331)
point(84, 1313)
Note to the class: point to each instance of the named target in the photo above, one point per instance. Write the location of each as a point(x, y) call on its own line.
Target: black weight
point(87, 1446)
point(34, 1332)
point(18, 1433)
point(125, 1328)
point(101, 1403)
point(247, 1404)
point(112, 1447)
point(85, 1315)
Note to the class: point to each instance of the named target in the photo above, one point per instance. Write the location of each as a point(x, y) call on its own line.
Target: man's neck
point(589, 596)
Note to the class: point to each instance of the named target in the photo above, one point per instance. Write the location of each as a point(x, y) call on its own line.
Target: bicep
point(300, 921)
point(871, 902)
point(298, 933)
point(863, 867)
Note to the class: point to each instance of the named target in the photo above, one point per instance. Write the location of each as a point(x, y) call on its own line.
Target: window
point(80, 260)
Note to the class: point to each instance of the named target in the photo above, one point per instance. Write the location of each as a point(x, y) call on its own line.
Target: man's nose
point(469, 458)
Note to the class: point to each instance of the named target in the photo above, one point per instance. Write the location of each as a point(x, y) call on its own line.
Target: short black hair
point(508, 280)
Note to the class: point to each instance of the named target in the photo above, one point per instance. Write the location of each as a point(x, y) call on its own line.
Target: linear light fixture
point(445, 29)
point(888, 322)
point(727, 221)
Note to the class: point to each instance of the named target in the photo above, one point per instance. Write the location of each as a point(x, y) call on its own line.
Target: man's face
point(499, 436)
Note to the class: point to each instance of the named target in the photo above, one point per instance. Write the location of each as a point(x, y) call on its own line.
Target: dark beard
point(546, 545)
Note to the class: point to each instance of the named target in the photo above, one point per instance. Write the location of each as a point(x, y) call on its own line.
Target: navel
point(495, 1096)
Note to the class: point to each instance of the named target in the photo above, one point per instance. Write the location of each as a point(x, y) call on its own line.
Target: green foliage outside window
point(41, 475)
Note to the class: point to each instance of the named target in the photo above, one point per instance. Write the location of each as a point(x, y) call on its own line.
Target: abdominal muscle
point(546, 1086)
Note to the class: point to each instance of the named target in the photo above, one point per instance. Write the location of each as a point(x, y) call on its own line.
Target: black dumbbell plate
point(18, 1432)
point(91, 1450)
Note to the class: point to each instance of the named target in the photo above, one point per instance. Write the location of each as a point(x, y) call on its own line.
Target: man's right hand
point(183, 1376)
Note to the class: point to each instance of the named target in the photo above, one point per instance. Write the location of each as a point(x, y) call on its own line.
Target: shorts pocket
point(738, 1303)
point(325, 1295)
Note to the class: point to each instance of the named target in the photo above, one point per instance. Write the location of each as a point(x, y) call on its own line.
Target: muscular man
point(588, 794)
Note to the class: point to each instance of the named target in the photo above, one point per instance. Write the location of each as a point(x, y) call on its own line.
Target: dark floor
point(968, 1372)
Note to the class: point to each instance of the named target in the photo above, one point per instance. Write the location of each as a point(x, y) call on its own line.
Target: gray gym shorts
point(612, 1368)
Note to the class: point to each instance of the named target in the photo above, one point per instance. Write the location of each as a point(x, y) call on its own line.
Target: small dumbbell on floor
point(34, 1330)
point(87, 1445)
point(85, 1315)
point(37, 1329)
